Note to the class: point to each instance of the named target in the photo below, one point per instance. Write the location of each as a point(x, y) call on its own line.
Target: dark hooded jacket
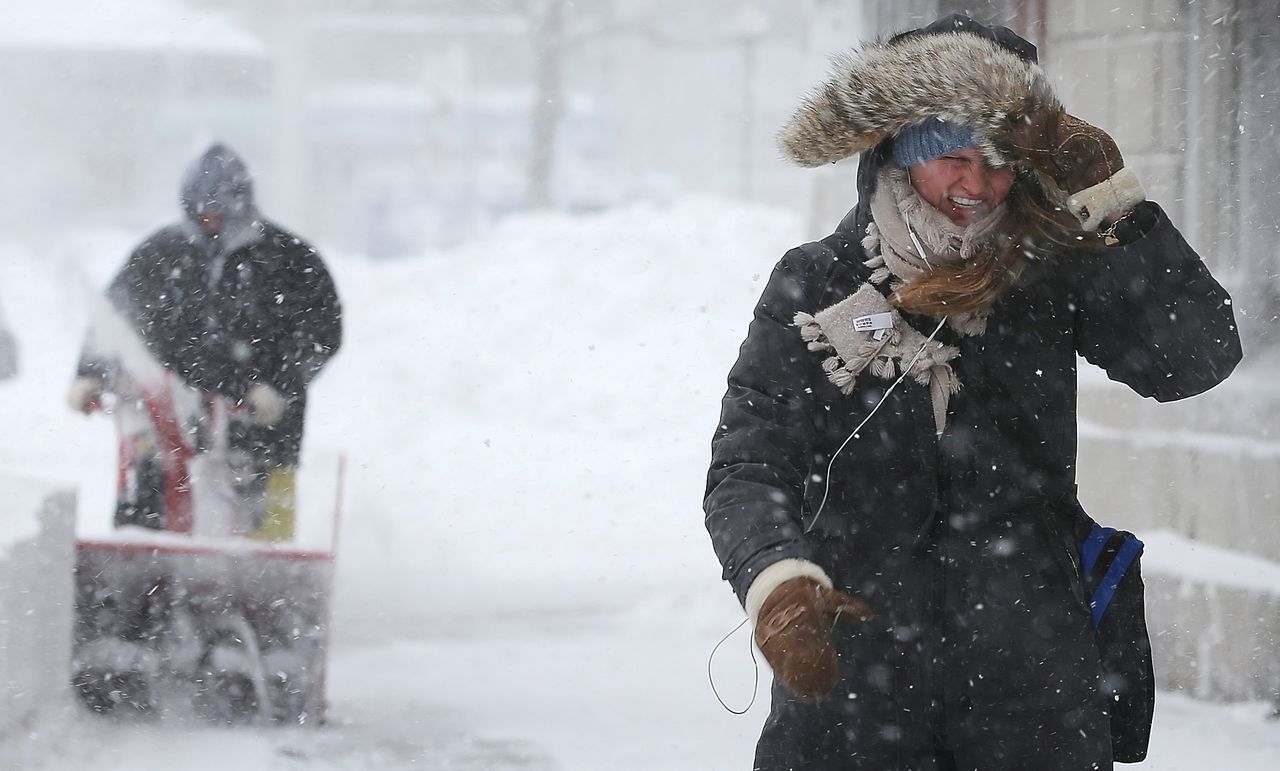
point(254, 304)
point(964, 544)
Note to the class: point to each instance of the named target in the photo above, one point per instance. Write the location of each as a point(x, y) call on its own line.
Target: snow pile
point(19, 516)
point(36, 520)
point(46, 293)
point(527, 421)
point(527, 417)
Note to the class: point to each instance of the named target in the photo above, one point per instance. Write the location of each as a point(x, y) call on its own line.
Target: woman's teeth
point(965, 201)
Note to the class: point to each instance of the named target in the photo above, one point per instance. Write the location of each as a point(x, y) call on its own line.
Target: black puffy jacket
point(272, 315)
point(966, 545)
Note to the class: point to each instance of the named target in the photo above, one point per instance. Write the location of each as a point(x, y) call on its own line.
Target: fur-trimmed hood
point(954, 69)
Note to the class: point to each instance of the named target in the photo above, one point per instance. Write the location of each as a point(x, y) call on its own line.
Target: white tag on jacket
point(878, 322)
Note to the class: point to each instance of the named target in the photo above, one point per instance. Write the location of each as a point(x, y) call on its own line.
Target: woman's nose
point(973, 180)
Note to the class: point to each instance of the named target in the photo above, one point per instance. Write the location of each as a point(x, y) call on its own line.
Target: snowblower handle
point(105, 402)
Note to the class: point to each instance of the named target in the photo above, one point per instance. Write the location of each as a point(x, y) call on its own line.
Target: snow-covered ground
point(524, 581)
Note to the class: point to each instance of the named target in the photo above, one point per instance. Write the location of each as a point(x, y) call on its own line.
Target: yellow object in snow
point(278, 521)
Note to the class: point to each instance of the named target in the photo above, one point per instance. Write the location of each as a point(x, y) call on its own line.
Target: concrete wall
point(1214, 640)
point(1182, 87)
point(1207, 467)
point(1166, 77)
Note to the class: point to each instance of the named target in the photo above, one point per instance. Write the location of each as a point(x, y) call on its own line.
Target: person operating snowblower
point(203, 352)
point(232, 307)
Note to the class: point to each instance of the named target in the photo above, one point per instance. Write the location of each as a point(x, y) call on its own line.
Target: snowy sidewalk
point(590, 693)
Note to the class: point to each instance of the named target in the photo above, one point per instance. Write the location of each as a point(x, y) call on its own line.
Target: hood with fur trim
point(955, 69)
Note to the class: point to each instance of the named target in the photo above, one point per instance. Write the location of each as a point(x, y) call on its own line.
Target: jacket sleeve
point(761, 450)
point(1150, 314)
point(311, 331)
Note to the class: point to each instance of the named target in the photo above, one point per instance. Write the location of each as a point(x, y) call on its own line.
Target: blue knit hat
point(926, 141)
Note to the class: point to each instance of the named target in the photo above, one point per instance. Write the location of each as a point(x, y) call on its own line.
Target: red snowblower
point(184, 610)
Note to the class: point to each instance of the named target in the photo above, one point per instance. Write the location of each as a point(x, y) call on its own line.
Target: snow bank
point(46, 293)
point(527, 417)
point(527, 420)
point(46, 455)
point(36, 523)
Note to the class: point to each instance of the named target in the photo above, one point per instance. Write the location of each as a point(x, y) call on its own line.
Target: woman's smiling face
point(961, 184)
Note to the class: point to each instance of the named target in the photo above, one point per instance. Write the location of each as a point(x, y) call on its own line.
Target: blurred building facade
point(1188, 88)
point(395, 124)
point(411, 121)
point(93, 99)
point(392, 126)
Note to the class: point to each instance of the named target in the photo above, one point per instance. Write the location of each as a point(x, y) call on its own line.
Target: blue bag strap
point(1092, 547)
point(1128, 552)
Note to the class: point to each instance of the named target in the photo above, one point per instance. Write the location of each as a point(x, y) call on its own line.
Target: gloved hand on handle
point(85, 394)
point(794, 630)
point(266, 405)
point(1082, 160)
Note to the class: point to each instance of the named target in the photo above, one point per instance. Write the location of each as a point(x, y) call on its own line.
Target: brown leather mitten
point(794, 630)
point(1072, 153)
point(1078, 158)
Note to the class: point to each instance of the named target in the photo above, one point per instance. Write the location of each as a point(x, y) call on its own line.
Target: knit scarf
point(898, 212)
point(895, 204)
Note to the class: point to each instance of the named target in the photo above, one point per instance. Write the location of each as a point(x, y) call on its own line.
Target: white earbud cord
point(827, 479)
point(911, 232)
point(826, 491)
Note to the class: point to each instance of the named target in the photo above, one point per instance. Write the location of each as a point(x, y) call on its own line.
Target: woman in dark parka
point(912, 574)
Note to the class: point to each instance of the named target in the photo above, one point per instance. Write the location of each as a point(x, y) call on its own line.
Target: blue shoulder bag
point(1109, 561)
